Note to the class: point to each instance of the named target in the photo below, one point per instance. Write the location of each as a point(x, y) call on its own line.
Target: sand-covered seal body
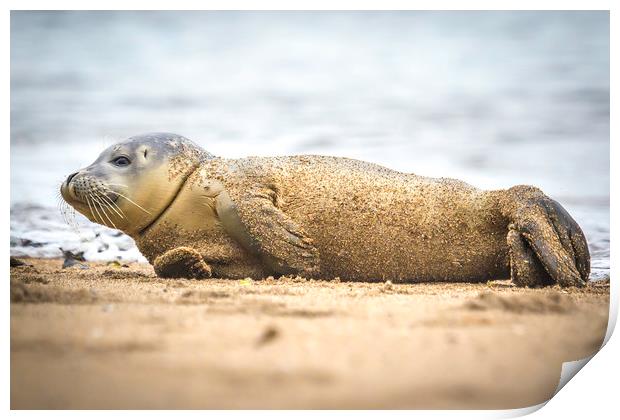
point(334, 217)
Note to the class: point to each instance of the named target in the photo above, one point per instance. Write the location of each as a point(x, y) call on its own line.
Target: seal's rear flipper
point(550, 232)
point(525, 268)
point(571, 236)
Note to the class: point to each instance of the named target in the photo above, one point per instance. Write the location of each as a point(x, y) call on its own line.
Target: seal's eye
point(121, 161)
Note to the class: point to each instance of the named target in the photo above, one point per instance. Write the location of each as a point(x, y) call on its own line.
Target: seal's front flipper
point(551, 233)
point(182, 262)
point(255, 220)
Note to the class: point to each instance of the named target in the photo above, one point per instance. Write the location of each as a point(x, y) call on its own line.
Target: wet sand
point(118, 337)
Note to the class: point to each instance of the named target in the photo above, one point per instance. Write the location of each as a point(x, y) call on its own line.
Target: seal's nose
point(70, 177)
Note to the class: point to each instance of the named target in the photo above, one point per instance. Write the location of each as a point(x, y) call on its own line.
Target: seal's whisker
point(90, 207)
point(102, 207)
point(105, 206)
point(64, 211)
point(113, 205)
point(92, 212)
point(74, 223)
point(110, 204)
point(60, 204)
point(67, 212)
point(118, 208)
point(95, 202)
point(107, 189)
point(134, 203)
point(125, 197)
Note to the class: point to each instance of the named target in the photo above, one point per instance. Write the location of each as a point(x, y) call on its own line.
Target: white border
point(593, 392)
point(309, 5)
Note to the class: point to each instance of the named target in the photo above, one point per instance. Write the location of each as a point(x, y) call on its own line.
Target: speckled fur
point(327, 217)
point(366, 222)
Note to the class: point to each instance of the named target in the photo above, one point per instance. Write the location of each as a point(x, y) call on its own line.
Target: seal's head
point(133, 182)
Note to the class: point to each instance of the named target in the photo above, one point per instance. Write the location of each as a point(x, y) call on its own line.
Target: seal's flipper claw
point(182, 262)
point(582, 253)
point(551, 233)
point(542, 236)
point(571, 235)
point(525, 268)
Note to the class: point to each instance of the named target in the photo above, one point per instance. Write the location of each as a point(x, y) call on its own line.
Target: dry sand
point(118, 337)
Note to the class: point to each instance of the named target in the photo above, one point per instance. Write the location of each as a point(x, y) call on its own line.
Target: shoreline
point(114, 336)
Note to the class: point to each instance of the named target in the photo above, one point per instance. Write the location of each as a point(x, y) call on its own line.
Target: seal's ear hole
point(145, 152)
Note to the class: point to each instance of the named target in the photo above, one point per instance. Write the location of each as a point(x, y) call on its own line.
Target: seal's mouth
point(81, 189)
point(93, 198)
point(67, 190)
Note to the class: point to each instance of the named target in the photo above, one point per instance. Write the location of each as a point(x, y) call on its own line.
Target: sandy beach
point(114, 336)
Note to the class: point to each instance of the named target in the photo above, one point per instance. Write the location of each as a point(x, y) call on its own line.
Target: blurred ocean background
point(493, 98)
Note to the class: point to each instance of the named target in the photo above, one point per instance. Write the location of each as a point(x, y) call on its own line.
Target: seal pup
point(196, 215)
